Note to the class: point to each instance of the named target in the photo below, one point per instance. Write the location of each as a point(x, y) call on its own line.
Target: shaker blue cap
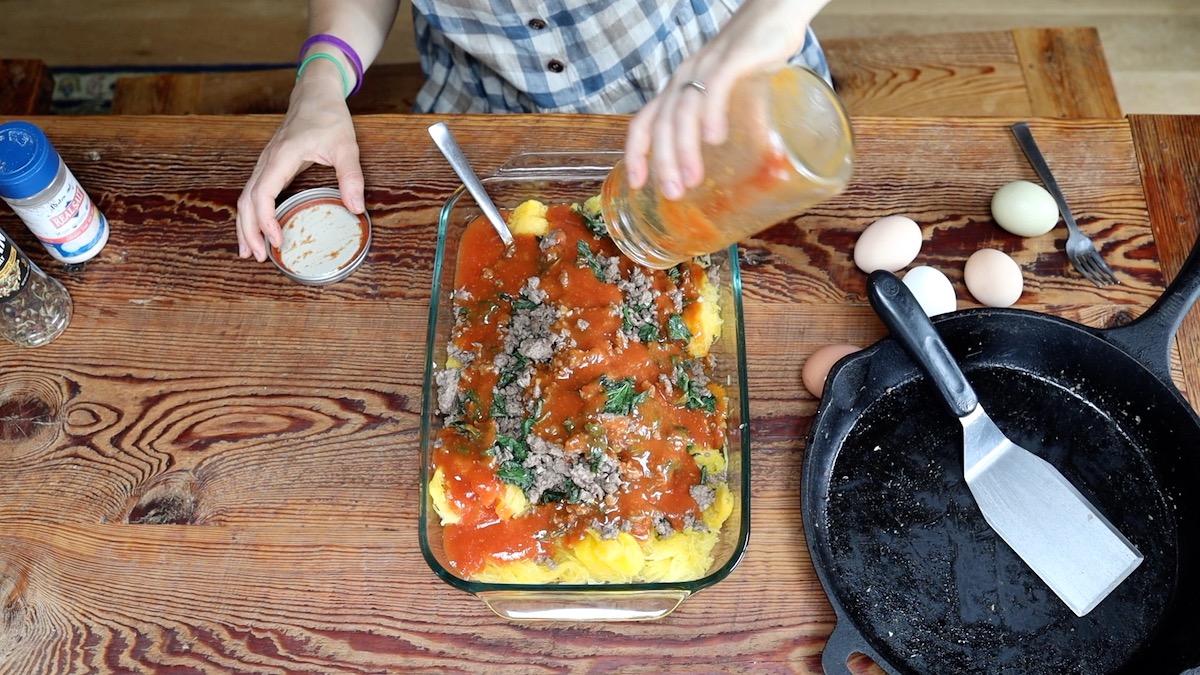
point(28, 162)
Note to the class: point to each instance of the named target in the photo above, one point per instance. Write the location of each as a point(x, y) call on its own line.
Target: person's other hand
point(317, 130)
point(666, 135)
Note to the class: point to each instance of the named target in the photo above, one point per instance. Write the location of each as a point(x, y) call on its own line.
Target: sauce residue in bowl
point(322, 240)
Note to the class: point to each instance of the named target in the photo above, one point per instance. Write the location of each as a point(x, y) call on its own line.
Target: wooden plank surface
point(215, 467)
point(1169, 155)
point(1033, 72)
point(947, 73)
point(1053, 72)
point(1066, 73)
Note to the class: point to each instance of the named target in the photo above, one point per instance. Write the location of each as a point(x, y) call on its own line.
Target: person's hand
point(317, 130)
point(667, 133)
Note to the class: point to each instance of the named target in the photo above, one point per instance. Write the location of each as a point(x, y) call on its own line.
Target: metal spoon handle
point(458, 161)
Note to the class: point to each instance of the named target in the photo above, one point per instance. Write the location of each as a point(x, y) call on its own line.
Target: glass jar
point(34, 307)
point(789, 147)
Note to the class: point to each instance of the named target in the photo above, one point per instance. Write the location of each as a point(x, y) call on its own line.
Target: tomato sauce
point(696, 221)
point(607, 396)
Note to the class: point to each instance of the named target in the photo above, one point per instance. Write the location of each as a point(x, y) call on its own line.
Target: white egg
point(1025, 209)
point(993, 278)
point(890, 243)
point(932, 289)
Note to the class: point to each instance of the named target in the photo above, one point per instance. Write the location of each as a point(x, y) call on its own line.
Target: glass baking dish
point(560, 177)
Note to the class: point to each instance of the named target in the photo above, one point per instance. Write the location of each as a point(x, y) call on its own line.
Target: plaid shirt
point(563, 55)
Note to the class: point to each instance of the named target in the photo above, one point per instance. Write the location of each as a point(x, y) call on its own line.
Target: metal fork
point(1080, 250)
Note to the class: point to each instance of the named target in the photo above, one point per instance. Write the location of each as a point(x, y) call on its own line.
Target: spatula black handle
point(909, 324)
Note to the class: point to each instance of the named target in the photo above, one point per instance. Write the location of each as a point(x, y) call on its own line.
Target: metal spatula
point(1034, 509)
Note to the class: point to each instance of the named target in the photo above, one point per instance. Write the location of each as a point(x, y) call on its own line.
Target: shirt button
point(556, 66)
point(537, 24)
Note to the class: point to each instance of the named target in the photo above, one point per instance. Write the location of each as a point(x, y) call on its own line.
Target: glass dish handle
point(635, 605)
point(597, 162)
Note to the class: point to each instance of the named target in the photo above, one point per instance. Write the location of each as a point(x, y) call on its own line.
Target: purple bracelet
point(346, 49)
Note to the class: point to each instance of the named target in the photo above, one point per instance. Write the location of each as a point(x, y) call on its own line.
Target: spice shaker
point(34, 307)
point(40, 188)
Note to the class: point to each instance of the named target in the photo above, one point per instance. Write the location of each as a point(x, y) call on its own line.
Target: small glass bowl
point(560, 177)
point(323, 241)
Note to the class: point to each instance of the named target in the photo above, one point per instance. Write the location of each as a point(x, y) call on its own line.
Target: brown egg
point(890, 243)
point(993, 278)
point(816, 367)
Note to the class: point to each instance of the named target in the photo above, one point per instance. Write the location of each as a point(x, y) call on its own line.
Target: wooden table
point(217, 468)
point(1040, 72)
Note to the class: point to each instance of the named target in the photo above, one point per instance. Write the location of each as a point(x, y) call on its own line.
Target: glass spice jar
point(39, 187)
point(34, 307)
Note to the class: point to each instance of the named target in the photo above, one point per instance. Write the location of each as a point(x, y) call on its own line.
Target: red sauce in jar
point(696, 221)
point(614, 393)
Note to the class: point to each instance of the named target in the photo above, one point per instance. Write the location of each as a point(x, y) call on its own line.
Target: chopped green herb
point(499, 407)
point(587, 257)
point(595, 457)
point(510, 372)
point(515, 473)
point(622, 398)
point(677, 329)
point(593, 221)
point(695, 396)
point(517, 446)
point(648, 330)
point(528, 422)
point(466, 429)
point(565, 492)
point(648, 333)
point(524, 304)
point(468, 406)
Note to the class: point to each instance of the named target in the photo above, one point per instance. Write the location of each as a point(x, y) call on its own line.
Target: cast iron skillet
point(918, 580)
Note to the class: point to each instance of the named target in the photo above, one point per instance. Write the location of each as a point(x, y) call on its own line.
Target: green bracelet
point(341, 69)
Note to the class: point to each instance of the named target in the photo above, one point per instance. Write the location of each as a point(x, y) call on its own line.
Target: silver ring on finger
point(697, 85)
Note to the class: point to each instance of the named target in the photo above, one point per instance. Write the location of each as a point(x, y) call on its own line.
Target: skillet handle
point(844, 642)
point(909, 324)
point(1149, 337)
